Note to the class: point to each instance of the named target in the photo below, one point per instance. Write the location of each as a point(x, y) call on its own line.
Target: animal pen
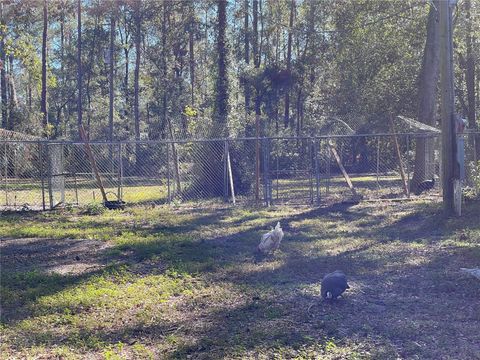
point(41, 174)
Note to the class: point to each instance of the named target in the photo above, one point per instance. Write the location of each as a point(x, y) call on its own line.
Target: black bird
point(334, 284)
point(425, 186)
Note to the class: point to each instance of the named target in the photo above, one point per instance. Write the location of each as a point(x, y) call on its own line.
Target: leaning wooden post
point(225, 171)
point(399, 155)
point(230, 175)
point(93, 163)
point(342, 169)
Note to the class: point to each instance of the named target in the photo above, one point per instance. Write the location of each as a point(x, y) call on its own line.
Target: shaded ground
point(61, 256)
point(186, 283)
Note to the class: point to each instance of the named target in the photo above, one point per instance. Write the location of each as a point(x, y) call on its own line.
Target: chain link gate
point(293, 171)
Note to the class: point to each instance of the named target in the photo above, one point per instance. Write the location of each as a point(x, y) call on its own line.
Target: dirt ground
point(61, 256)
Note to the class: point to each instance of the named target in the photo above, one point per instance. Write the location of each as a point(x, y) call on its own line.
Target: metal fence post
point(329, 155)
point(268, 173)
point(62, 171)
point(49, 178)
point(265, 198)
point(311, 158)
point(474, 148)
point(277, 166)
point(378, 161)
point(5, 163)
point(119, 171)
point(168, 174)
point(408, 165)
point(75, 180)
point(266, 178)
point(475, 161)
point(42, 176)
point(316, 145)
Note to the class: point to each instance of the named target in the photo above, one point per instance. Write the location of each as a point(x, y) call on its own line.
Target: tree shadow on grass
point(411, 301)
point(20, 290)
point(395, 310)
point(204, 253)
point(389, 311)
point(431, 224)
point(30, 261)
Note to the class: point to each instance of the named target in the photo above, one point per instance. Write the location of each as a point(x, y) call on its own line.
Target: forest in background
point(192, 69)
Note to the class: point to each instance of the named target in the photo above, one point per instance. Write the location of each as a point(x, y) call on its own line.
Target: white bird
point(271, 240)
point(473, 272)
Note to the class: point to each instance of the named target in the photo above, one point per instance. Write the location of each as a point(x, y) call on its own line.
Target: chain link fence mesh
point(296, 171)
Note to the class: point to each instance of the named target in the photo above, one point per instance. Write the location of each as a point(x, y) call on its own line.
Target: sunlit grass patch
point(145, 194)
point(85, 311)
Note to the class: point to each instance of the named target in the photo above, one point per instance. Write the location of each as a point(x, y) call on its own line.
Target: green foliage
point(94, 209)
point(475, 173)
point(359, 59)
point(190, 111)
point(473, 170)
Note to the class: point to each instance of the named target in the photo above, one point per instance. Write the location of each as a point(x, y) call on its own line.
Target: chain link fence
point(266, 171)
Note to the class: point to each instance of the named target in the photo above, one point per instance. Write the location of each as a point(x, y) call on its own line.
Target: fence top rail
point(184, 141)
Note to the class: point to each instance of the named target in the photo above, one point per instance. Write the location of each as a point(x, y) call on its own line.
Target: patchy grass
point(168, 282)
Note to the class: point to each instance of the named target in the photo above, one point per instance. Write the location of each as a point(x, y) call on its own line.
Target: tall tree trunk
point(29, 93)
point(427, 90)
point(298, 110)
point(164, 65)
point(256, 59)
point(126, 52)
point(166, 122)
point(89, 101)
point(470, 75)
point(220, 113)
point(191, 52)
point(43, 105)
point(3, 78)
point(127, 90)
point(136, 80)
point(79, 64)
point(450, 173)
point(60, 111)
point(110, 79)
point(256, 62)
point(138, 37)
point(286, 120)
point(211, 179)
point(180, 64)
point(262, 27)
point(12, 95)
point(247, 55)
point(91, 65)
point(62, 43)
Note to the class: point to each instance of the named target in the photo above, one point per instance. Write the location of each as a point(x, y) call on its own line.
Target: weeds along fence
point(47, 174)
